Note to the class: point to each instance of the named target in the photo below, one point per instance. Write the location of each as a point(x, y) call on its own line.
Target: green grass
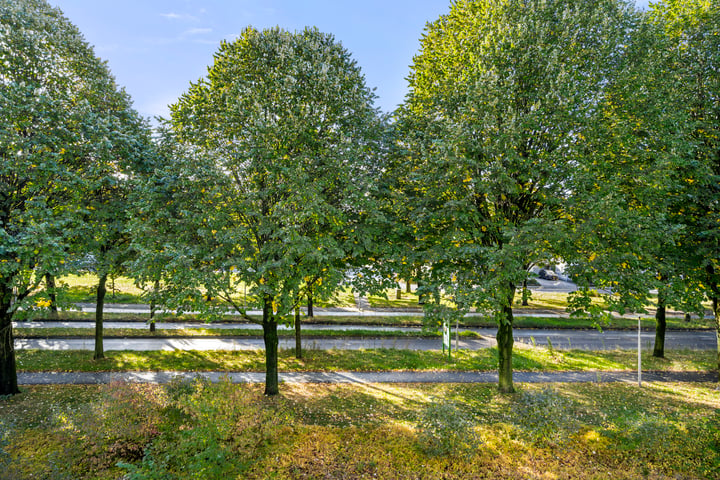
point(406, 300)
point(82, 289)
point(525, 358)
point(414, 320)
point(194, 429)
point(538, 300)
point(343, 298)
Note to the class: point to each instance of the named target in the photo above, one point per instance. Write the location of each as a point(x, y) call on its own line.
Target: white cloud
point(179, 16)
point(197, 31)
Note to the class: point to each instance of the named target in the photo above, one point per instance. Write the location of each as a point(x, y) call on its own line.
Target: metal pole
point(639, 356)
point(457, 334)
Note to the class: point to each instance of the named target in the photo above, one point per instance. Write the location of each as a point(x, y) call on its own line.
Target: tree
point(501, 97)
point(692, 32)
point(274, 151)
point(622, 238)
point(118, 164)
point(53, 95)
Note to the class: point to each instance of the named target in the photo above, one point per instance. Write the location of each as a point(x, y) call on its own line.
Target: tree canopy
point(502, 97)
point(691, 32)
point(274, 152)
point(63, 119)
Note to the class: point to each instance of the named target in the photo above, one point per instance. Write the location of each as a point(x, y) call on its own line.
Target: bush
point(123, 422)
point(445, 429)
point(4, 435)
point(546, 415)
point(218, 430)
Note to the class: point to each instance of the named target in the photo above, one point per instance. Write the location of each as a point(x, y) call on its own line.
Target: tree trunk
point(8, 367)
point(99, 305)
point(298, 337)
point(156, 287)
point(660, 325)
point(716, 313)
point(310, 312)
point(270, 337)
point(51, 287)
point(505, 345)
point(419, 290)
point(408, 286)
point(524, 293)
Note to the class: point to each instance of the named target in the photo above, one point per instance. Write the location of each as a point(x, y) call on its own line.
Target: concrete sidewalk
point(91, 378)
point(558, 339)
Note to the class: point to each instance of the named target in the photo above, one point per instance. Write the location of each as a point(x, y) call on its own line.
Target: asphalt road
point(560, 339)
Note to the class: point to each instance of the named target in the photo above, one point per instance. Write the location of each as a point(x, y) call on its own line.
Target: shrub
point(122, 423)
point(546, 415)
point(446, 429)
point(220, 430)
point(4, 435)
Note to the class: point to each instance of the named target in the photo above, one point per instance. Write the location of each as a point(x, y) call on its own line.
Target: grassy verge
point(194, 429)
point(520, 321)
point(82, 289)
point(538, 299)
point(525, 358)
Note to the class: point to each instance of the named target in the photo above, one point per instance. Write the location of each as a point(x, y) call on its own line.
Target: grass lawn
point(193, 429)
point(539, 299)
point(520, 321)
point(82, 289)
point(525, 357)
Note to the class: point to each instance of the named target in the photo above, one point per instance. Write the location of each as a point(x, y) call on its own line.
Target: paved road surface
point(363, 312)
point(211, 326)
point(560, 339)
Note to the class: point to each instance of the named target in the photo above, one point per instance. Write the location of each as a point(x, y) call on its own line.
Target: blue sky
point(155, 48)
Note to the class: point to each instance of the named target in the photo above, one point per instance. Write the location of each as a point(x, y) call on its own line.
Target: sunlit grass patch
point(525, 358)
point(194, 428)
point(82, 288)
point(390, 300)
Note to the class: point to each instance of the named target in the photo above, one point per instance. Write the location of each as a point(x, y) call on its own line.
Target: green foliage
point(67, 130)
point(691, 31)
point(221, 431)
point(445, 428)
point(268, 165)
point(547, 416)
point(4, 442)
point(341, 431)
point(502, 97)
point(265, 185)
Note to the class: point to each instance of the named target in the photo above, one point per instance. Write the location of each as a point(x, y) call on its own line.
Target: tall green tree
point(692, 32)
point(56, 123)
point(274, 152)
point(502, 95)
point(622, 238)
point(120, 163)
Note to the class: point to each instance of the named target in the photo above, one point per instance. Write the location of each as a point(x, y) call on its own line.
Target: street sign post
point(446, 336)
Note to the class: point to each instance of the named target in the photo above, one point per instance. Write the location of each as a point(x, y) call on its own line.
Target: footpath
point(91, 378)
